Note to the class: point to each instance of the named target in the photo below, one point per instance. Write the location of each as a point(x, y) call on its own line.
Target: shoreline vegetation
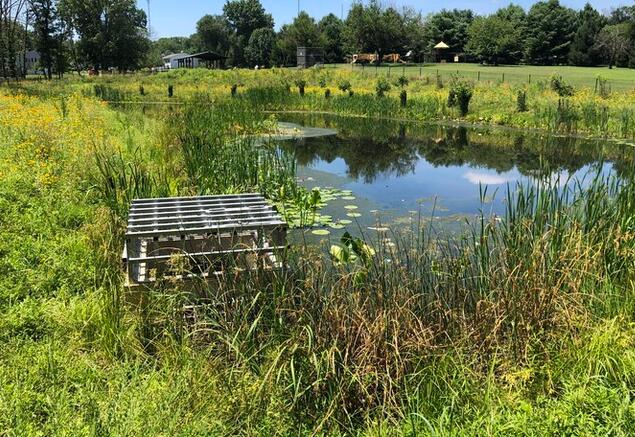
point(521, 324)
point(551, 104)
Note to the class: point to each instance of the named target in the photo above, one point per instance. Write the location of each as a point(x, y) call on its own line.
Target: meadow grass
point(522, 325)
point(593, 109)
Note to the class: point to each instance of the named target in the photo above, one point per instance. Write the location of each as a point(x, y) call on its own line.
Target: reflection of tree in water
point(372, 147)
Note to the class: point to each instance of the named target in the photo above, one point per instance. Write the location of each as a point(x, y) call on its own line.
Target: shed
point(310, 56)
point(208, 58)
point(185, 238)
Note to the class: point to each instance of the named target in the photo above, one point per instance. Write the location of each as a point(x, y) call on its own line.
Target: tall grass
point(341, 348)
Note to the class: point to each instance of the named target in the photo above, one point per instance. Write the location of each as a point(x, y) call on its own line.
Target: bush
point(402, 82)
point(403, 98)
point(460, 94)
point(558, 84)
point(344, 85)
point(142, 90)
point(382, 87)
point(439, 82)
point(234, 89)
point(327, 93)
point(602, 87)
point(300, 83)
point(170, 90)
point(521, 101)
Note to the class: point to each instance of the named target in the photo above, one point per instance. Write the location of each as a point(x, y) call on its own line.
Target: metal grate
point(211, 233)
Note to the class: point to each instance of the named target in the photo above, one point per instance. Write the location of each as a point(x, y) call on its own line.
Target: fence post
point(420, 71)
point(503, 77)
point(478, 76)
point(530, 79)
point(389, 67)
point(376, 70)
point(403, 71)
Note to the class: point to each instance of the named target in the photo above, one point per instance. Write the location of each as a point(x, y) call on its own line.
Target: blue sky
point(179, 17)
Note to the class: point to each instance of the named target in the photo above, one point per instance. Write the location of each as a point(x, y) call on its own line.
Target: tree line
point(112, 34)
point(76, 34)
point(546, 34)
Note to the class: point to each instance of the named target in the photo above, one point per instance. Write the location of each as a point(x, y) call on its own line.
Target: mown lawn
point(619, 78)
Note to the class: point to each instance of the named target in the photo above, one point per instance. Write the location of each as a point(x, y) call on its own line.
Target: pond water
point(397, 170)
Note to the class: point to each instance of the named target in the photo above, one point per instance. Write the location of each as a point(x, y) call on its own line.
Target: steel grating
point(207, 230)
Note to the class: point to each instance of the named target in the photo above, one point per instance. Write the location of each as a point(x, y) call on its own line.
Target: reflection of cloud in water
point(476, 178)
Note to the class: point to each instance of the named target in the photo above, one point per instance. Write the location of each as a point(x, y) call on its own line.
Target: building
point(32, 62)
point(310, 56)
point(178, 60)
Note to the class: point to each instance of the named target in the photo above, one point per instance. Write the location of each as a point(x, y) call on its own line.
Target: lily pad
point(354, 214)
point(320, 232)
point(336, 226)
point(348, 197)
point(350, 207)
point(345, 222)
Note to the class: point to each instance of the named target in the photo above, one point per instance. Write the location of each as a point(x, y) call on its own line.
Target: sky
point(179, 17)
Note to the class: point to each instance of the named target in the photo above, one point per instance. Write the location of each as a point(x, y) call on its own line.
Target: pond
point(393, 171)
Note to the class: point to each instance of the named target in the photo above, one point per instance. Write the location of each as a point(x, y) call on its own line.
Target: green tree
point(244, 17)
point(450, 27)
point(332, 29)
point(46, 34)
point(260, 46)
point(583, 48)
point(493, 38)
point(374, 29)
point(214, 34)
point(614, 41)
point(303, 32)
point(549, 32)
point(112, 33)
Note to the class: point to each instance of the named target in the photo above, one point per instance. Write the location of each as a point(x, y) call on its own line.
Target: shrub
point(403, 98)
point(402, 82)
point(234, 89)
point(300, 83)
point(327, 93)
point(439, 82)
point(521, 101)
point(382, 87)
point(142, 90)
point(460, 94)
point(322, 82)
point(602, 87)
point(558, 84)
point(170, 90)
point(344, 85)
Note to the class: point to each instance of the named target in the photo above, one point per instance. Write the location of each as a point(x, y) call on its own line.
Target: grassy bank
point(563, 107)
point(518, 326)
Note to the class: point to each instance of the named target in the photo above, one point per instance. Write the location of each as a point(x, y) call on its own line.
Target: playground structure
point(372, 58)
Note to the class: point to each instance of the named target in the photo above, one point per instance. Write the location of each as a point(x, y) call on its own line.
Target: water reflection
point(377, 148)
point(394, 165)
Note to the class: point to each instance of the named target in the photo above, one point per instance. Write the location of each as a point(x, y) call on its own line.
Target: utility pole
point(149, 18)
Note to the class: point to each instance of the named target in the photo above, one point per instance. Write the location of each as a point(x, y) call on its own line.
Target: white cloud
point(476, 178)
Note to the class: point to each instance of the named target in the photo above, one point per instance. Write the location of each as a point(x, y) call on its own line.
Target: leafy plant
point(521, 101)
point(460, 94)
point(344, 85)
point(382, 87)
point(301, 84)
point(560, 86)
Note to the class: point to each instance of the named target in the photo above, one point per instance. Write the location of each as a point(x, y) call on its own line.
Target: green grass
point(522, 327)
point(618, 78)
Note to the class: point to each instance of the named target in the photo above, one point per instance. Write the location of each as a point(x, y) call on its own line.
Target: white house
point(177, 60)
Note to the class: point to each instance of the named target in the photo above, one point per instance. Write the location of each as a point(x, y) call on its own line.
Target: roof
point(206, 56)
point(176, 56)
point(442, 45)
